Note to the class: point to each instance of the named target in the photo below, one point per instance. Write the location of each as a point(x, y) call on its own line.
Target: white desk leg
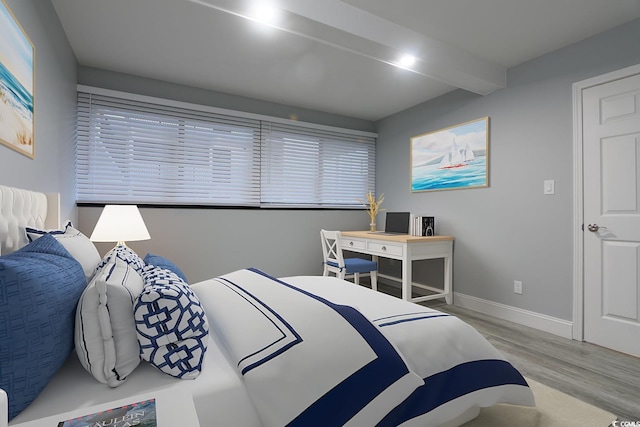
point(374, 258)
point(448, 272)
point(407, 293)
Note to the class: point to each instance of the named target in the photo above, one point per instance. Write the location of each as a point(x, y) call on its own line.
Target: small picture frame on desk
point(428, 226)
point(424, 225)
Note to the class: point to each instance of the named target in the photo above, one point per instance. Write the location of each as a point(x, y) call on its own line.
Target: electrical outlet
point(517, 287)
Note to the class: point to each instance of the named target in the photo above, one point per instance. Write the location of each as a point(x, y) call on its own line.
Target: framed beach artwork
point(456, 157)
point(17, 56)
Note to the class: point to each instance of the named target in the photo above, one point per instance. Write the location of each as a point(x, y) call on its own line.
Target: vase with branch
point(373, 207)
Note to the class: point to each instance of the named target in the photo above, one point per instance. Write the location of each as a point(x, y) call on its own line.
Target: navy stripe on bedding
point(451, 384)
point(412, 319)
point(288, 338)
point(349, 397)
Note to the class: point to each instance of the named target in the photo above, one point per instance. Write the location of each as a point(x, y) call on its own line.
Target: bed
point(298, 351)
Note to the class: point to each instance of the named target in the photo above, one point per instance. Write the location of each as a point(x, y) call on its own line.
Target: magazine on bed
point(140, 414)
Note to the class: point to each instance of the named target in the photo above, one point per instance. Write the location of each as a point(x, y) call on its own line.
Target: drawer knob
point(384, 248)
point(350, 243)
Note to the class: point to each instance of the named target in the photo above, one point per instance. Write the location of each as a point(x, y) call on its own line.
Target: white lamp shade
point(120, 223)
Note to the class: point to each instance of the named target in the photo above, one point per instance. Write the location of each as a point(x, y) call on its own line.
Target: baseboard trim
point(553, 325)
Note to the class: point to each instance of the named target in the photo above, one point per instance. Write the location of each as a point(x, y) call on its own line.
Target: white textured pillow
point(76, 243)
point(105, 332)
point(125, 254)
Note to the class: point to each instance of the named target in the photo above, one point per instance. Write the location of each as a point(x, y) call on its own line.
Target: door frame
point(578, 189)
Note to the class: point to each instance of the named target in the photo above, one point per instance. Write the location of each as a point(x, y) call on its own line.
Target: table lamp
point(120, 223)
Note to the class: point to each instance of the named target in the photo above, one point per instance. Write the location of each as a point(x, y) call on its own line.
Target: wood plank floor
point(596, 375)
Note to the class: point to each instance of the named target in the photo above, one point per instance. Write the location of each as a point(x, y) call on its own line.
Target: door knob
point(594, 227)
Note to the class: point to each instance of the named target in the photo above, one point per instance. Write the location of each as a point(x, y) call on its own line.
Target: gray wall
point(206, 243)
point(510, 230)
point(52, 170)
point(161, 89)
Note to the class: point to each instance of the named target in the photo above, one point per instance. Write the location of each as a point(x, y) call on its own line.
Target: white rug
point(553, 409)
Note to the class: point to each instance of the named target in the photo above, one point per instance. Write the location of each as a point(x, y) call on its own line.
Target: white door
point(611, 176)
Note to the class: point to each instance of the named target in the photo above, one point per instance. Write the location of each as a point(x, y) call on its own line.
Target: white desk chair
point(334, 261)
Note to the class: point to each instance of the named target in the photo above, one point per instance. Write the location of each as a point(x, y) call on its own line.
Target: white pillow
point(105, 332)
point(76, 243)
point(125, 254)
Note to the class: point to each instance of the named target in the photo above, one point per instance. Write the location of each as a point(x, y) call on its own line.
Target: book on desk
point(422, 225)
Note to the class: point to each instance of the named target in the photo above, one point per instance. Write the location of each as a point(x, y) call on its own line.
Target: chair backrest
point(331, 249)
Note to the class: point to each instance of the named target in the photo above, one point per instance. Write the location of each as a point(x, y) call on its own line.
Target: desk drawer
point(385, 248)
point(349, 243)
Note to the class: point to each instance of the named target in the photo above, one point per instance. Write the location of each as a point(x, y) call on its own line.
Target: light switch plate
point(549, 186)
point(517, 287)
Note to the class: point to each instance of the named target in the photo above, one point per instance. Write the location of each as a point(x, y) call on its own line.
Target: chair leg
point(374, 280)
point(356, 278)
point(325, 272)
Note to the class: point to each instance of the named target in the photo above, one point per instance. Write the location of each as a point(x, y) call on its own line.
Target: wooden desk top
point(401, 238)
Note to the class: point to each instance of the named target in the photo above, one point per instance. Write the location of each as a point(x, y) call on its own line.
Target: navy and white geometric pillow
point(123, 253)
point(172, 327)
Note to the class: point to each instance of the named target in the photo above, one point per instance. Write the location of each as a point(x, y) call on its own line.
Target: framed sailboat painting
point(456, 157)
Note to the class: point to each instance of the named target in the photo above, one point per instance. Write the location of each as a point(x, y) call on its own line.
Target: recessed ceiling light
point(407, 61)
point(265, 12)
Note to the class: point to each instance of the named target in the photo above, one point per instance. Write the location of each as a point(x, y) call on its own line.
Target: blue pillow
point(40, 285)
point(162, 262)
point(171, 325)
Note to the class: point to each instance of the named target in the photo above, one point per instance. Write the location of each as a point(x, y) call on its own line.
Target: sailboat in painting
point(456, 157)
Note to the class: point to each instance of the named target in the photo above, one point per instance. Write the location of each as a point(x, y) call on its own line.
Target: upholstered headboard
point(21, 208)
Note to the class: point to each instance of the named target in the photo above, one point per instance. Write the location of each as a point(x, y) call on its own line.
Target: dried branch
point(373, 206)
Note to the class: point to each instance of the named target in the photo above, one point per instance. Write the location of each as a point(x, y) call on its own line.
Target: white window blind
point(309, 167)
point(134, 151)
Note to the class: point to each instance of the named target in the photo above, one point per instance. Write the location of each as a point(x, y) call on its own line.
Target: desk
point(406, 248)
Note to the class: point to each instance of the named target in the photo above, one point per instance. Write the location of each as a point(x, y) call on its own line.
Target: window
point(307, 167)
point(130, 150)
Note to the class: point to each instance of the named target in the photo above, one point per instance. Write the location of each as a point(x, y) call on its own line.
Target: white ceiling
point(332, 55)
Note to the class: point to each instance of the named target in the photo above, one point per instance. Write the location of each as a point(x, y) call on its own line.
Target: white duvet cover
point(318, 351)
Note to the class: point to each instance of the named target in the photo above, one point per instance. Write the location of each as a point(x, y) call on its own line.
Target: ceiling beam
point(341, 25)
